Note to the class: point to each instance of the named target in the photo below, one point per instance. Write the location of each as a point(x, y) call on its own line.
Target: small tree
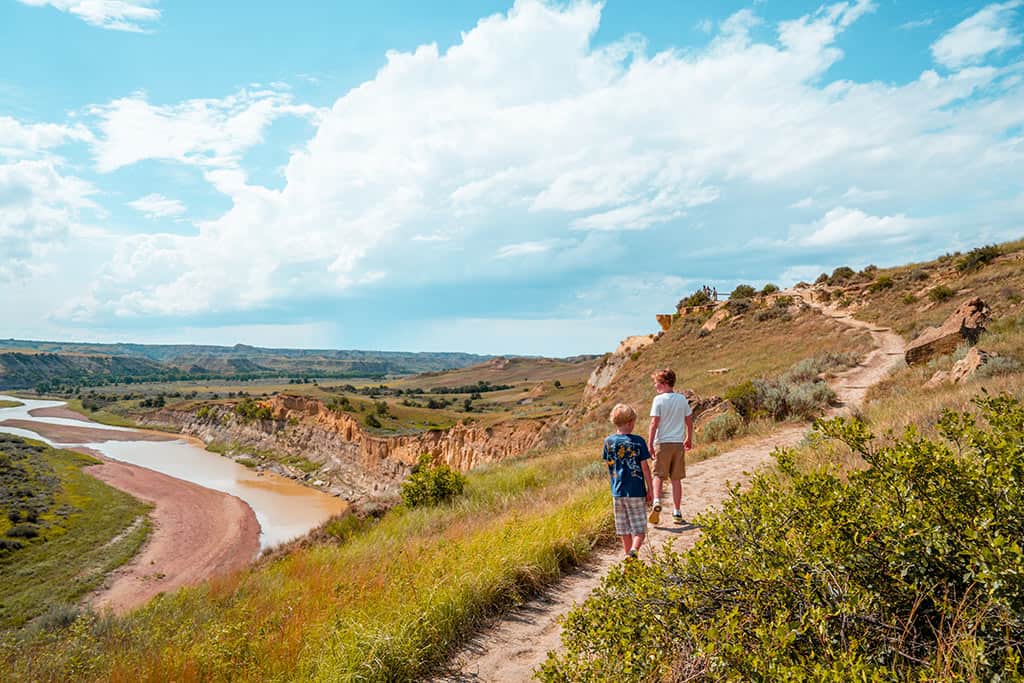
point(770, 288)
point(429, 485)
point(743, 292)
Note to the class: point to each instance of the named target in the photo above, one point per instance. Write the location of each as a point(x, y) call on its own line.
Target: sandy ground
point(58, 411)
point(69, 434)
point(197, 533)
point(512, 648)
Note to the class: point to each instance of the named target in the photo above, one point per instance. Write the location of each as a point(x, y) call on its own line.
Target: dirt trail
point(514, 647)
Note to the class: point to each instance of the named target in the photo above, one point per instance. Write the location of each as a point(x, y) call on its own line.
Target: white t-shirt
point(672, 408)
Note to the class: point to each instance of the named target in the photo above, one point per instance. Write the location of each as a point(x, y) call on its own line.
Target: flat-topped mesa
point(964, 325)
point(355, 463)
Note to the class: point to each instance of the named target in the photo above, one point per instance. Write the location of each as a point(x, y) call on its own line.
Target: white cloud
point(116, 15)
point(845, 226)
point(917, 23)
point(855, 194)
point(39, 209)
point(705, 26)
point(21, 140)
point(158, 206)
point(528, 248)
point(989, 30)
point(204, 132)
point(805, 203)
point(525, 133)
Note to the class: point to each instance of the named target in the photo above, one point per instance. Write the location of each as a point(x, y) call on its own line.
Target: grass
point(103, 416)
point(388, 604)
point(924, 294)
point(87, 529)
point(4, 403)
point(255, 456)
point(750, 350)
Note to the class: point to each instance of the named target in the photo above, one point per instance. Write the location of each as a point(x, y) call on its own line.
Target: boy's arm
point(655, 421)
point(648, 485)
point(688, 444)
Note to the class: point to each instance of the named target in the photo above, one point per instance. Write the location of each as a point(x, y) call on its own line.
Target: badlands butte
point(399, 594)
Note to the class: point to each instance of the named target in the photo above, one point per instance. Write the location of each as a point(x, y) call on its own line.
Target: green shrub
point(770, 288)
point(908, 570)
point(917, 275)
point(250, 409)
point(743, 292)
point(744, 398)
point(941, 293)
point(429, 485)
point(371, 421)
point(739, 306)
point(841, 275)
point(978, 258)
point(23, 531)
point(909, 299)
point(771, 313)
point(698, 298)
point(821, 279)
point(1000, 365)
point(721, 427)
point(881, 284)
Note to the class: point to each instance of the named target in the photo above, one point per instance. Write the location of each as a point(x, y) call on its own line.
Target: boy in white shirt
point(670, 436)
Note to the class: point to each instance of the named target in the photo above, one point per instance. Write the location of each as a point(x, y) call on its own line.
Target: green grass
point(390, 603)
point(86, 530)
point(103, 416)
point(4, 403)
point(256, 456)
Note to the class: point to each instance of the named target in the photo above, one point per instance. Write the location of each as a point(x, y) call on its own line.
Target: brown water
point(284, 508)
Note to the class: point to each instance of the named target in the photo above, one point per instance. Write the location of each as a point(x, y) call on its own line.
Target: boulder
point(939, 378)
point(965, 324)
point(965, 368)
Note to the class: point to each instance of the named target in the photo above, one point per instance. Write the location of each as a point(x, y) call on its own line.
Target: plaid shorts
point(630, 516)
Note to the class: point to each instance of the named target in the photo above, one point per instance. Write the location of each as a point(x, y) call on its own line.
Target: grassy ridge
point(4, 403)
point(388, 604)
point(85, 529)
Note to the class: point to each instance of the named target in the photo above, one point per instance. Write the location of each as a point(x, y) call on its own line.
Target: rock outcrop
point(716, 318)
point(355, 463)
point(609, 366)
point(962, 370)
point(665, 321)
point(965, 325)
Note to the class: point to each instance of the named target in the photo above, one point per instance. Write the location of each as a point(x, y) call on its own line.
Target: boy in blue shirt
point(627, 456)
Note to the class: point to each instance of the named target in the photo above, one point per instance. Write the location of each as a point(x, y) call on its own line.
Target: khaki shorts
point(670, 461)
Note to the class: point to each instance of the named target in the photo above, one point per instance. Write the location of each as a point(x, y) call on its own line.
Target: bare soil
point(68, 434)
point(58, 411)
point(197, 534)
point(513, 647)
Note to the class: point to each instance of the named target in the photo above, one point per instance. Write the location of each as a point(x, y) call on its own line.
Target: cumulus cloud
point(845, 226)
point(156, 205)
point(39, 208)
point(203, 132)
point(989, 30)
point(19, 139)
point(116, 15)
point(528, 128)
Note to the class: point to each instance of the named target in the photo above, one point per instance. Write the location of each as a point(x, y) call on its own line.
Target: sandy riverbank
point(197, 534)
point(74, 434)
point(58, 411)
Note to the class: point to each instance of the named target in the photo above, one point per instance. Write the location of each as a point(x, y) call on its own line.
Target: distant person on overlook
point(626, 455)
point(670, 436)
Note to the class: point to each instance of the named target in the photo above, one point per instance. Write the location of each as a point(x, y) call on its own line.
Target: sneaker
point(632, 555)
point(655, 512)
point(677, 517)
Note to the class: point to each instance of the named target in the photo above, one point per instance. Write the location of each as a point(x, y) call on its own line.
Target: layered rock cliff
point(355, 463)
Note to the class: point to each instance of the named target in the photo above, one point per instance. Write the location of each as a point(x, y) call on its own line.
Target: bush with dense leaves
point(941, 293)
point(721, 427)
point(770, 288)
point(431, 484)
point(743, 292)
point(978, 258)
point(698, 298)
point(909, 570)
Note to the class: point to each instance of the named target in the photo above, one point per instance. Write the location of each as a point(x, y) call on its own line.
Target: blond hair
point(623, 414)
point(665, 376)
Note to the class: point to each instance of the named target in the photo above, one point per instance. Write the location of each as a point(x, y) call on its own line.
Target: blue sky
point(498, 177)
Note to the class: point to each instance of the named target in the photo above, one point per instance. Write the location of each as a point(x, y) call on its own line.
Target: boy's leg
point(638, 540)
point(677, 494)
point(627, 542)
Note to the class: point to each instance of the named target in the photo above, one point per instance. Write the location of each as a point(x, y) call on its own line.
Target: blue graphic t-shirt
point(624, 453)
